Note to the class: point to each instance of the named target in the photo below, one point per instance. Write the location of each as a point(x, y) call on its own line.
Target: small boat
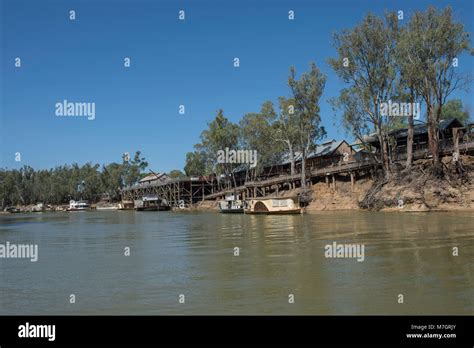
point(78, 206)
point(108, 207)
point(151, 203)
point(272, 206)
point(127, 205)
point(231, 205)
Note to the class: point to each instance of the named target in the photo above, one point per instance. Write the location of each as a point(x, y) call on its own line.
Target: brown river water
point(281, 267)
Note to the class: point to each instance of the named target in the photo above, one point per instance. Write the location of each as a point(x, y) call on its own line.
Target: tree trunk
point(384, 153)
point(386, 163)
point(410, 142)
point(433, 141)
point(20, 195)
point(292, 160)
point(233, 179)
point(303, 170)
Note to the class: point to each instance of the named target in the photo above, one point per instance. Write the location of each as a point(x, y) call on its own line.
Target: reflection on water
point(193, 254)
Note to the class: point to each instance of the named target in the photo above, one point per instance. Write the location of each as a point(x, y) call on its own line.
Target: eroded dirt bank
point(415, 190)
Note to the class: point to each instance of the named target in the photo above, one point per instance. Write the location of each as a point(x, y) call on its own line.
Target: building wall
point(336, 158)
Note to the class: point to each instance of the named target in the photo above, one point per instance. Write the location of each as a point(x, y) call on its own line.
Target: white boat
point(78, 206)
point(151, 203)
point(108, 207)
point(231, 205)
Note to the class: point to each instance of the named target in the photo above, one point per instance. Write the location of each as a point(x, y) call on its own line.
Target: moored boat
point(108, 207)
point(78, 206)
point(127, 205)
point(272, 206)
point(151, 203)
point(231, 205)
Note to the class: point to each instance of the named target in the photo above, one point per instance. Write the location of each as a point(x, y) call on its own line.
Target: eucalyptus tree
point(58, 185)
point(133, 168)
point(454, 109)
point(434, 42)
point(196, 164)
point(176, 174)
point(366, 62)
point(258, 133)
point(111, 178)
point(220, 134)
point(285, 129)
point(408, 89)
point(307, 119)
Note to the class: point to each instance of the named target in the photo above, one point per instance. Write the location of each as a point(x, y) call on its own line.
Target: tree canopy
point(63, 183)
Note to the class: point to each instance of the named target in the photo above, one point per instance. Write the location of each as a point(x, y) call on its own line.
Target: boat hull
point(231, 206)
point(281, 212)
point(232, 211)
point(272, 206)
point(162, 208)
point(147, 209)
point(106, 208)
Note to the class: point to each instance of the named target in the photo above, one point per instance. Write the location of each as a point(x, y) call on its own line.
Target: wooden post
point(176, 202)
point(333, 182)
point(352, 179)
point(327, 180)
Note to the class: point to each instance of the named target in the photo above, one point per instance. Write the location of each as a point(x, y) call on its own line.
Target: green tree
point(258, 133)
point(435, 43)
point(285, 129)
point(454, 109)
point(407, 91)
point(221, 134)
point(111, 178)
point(59, 185)
point(132, 169)
point(366, 63)
point(306, 94)
point(196, 163)
point(176, 174)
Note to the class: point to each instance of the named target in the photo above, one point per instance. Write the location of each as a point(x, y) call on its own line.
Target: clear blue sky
point(173, 63)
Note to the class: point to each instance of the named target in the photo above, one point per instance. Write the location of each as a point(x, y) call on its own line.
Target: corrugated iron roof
point(325, 149)
point(153, 177)
point(423, 128)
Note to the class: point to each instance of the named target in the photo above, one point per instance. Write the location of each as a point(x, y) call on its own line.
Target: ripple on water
point(193, 253)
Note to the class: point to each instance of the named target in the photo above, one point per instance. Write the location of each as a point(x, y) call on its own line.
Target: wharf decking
point(186, 192)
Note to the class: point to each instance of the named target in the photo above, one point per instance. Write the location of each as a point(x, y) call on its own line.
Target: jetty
point(186, 192)
point(331, 162)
